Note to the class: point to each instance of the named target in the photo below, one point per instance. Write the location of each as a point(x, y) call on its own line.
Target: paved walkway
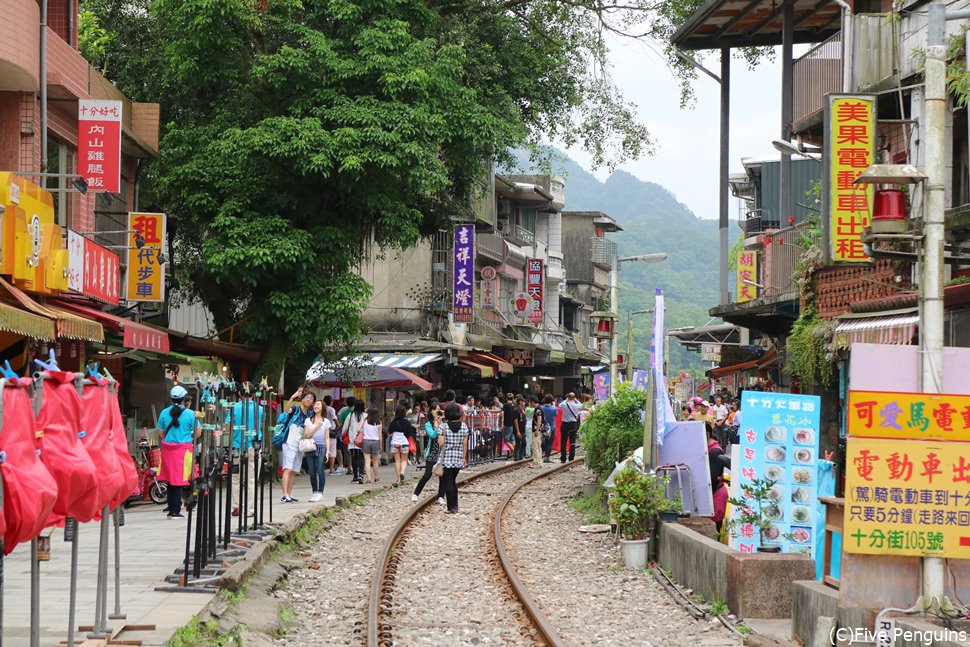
point(152, 548)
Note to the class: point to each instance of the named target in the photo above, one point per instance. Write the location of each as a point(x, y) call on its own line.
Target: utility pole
point(629, 340)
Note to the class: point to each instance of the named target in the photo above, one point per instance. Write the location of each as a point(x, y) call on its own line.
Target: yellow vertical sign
point(851, 134)
point(146, 271)
point(747, 276)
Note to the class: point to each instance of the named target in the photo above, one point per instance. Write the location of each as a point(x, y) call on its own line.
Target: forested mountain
point(653, 221)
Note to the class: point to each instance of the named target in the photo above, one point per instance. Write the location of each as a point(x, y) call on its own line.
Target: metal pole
point(723, 219)
point(787, 109)
point(629, 346)
point(43, 86)
point(227, 518)
point(118, 615)
point(34, 595)
point(614, 308)
point(100, 601)
point(72, 608)
point(931, 281)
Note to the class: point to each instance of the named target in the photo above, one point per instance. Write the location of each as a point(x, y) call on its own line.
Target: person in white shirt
point(571, 409)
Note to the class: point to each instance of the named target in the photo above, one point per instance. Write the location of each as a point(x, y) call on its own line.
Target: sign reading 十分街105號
point(850, 134)
point(907, 497)
point(917, 416)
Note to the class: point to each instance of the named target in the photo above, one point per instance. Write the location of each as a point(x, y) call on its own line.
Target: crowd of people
point(438, 436)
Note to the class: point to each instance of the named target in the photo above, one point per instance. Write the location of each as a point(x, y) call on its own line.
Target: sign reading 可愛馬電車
point(463, 286)
point(850, 134)
point(915, 416)
point(99, 144)
point(146, 271)
point(907, 497)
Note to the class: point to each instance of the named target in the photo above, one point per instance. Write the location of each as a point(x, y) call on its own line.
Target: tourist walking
point(570, 408)
point(349, 432)
point(373, 441)
point(334, 457)
point(431, 453)
point(452, 436)
point(177, 429)
point(318, 428)
point(291, 458)
point(399, 430)
point(530, 416)
point(508, 423)
point(519, 424)
point(549, 413)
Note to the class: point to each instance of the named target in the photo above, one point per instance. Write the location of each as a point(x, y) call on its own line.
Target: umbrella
point(368, 376)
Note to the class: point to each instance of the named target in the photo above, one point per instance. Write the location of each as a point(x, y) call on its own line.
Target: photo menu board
point(779, 441)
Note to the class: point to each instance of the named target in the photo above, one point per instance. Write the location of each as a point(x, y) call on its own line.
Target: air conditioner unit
point(593, 343)
point(503, 227)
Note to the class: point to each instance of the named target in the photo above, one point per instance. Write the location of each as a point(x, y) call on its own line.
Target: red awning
point(135, 335)
point(768, 359)
point(492, 360)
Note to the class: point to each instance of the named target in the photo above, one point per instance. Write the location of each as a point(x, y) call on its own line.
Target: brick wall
point(9, 130)
point(838, 287)
point(58, 19)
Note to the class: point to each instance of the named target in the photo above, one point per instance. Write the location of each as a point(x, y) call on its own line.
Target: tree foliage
point(613, 429)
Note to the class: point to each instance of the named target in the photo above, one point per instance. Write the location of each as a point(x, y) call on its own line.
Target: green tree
point(302, 136)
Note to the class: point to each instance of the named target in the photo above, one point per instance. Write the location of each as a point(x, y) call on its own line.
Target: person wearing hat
point(247, 419)
point(177, 429)
point(702, 412)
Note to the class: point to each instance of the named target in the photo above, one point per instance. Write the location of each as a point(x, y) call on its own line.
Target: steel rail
point(547, 632)
point(378, 634)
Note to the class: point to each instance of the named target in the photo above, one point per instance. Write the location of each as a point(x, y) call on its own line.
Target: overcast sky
point(686, 160)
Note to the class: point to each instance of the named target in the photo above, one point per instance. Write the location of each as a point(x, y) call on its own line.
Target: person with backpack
point(549, 413)
point(452, 442)
point(351, 426)
point(291, 458)
point(177, 429)
point(372, 431)
point(431, 452)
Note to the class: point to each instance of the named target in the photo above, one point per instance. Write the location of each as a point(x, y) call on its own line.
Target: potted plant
point(758, 508)
point(636, 499)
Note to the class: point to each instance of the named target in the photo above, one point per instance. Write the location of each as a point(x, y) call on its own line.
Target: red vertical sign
point(533, 286)
point(99, 144)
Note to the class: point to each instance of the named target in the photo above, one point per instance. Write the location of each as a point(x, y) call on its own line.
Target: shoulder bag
point(359, 438)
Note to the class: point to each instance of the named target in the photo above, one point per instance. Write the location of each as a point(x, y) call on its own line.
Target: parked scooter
point(148, 487)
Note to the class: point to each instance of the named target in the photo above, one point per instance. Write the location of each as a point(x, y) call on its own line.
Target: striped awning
point(481, 369)
point(20, 322)
point(895, 329)
point(68, 325)
point(404, 361)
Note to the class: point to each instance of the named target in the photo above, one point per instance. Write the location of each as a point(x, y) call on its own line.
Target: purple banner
point(601, 385)
point(464, 285)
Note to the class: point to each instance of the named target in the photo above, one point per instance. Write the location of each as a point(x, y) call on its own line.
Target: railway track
point(396, 564)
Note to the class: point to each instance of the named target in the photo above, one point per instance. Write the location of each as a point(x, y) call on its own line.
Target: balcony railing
point(518, 234)
point(554, 267)
point(604, 250)
point(490, 245)
point(816, 74)
point(781, 257)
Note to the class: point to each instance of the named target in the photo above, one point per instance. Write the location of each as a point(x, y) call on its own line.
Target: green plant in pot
point(758, 506)
point(636, 500)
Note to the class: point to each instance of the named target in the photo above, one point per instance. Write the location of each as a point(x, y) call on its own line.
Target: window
point(61, 161)
point(527, 219)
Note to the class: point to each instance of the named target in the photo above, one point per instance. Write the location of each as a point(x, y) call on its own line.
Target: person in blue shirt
point(549, 413)
point(246, 417)
point(177, 427)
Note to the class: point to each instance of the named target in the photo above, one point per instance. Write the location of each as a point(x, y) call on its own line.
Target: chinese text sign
point(850, 126)
point(907, 498)
point(488, 287)
point(464, 280)
point(92, 269)
point(918, 416)
point(99, 144)
point(779, 442)
point(534, 279)
point(146, 272)
point(747, 276)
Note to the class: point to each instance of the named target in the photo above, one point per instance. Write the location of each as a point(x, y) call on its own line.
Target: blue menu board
point(779, 441)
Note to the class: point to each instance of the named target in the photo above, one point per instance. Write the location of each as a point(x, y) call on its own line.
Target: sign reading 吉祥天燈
point(99, 144)
point(779, 441)
point(916, 416)
point(463, 287)
point(533, 286)
point(850, 135)
point(909, 497)
point(146, 271)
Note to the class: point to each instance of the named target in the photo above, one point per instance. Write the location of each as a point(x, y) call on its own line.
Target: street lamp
point(614, 302)
point(786, 147)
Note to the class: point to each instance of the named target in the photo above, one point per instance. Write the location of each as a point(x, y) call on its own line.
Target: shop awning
point(135, 335)
point(893, 329)
point(404, 361)
point(770, 358)
point(482, 369)
point(488, 358)
point(372, 377)
point(68, 325)
point(17, 321)
point(557, 356)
